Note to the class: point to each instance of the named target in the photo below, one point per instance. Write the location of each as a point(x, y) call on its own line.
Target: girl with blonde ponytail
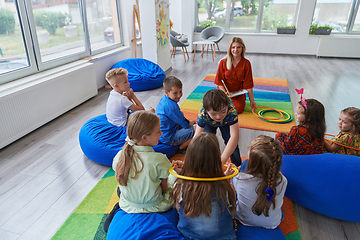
point(261, 187)
point(142, 173)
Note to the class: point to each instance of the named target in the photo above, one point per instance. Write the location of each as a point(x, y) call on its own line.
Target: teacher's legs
point(239, 102)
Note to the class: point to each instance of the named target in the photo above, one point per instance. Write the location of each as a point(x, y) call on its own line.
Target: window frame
point(351, 19)
point(258, 23)
point(32, 49)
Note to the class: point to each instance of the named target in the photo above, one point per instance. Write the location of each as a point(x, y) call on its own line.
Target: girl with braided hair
point(260, 189)
point(349, 126)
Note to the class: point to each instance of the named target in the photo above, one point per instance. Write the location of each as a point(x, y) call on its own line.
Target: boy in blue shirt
point(175, 127)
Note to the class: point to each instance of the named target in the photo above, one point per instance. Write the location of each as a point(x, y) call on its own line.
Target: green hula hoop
point(288, 118)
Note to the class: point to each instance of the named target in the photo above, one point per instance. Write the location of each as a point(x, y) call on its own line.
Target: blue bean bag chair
point(100, 141)
point(259, 233)
point(144, 226)
point(142, 74)
point(326, 183)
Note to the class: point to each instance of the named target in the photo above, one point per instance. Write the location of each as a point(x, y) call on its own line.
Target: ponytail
point(126, 162)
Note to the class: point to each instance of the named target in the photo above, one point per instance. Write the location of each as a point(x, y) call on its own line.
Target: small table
point(204, 43)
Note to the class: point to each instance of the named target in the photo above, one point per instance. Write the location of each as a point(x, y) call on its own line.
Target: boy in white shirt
point(121, 98)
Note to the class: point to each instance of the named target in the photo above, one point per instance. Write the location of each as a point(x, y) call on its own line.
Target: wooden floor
point(44, 175)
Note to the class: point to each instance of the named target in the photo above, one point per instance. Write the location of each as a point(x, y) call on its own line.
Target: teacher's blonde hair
point(229, 56)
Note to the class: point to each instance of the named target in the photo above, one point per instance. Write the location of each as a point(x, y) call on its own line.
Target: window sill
point(99, 56)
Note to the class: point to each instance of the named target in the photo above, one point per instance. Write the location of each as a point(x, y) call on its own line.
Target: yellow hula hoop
point(204, 179)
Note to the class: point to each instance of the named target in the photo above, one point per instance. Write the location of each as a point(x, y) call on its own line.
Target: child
point(204, 207)
point(219, 112)
point(308, 137)
point(121, 98)
point(175, 127)
point(142, 173)
point(349, 125)
point(261, 188)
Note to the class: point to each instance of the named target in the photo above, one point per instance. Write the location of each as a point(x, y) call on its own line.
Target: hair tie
point(129, 141)
point(269, 193)
point(302, 99)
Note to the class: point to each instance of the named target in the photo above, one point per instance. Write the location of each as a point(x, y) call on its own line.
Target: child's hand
point(178, 164)
point(129, 94)
point(229, 169)
point(192, 122)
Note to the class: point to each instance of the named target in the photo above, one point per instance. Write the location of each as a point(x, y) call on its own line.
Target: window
point(248, 15)
point(279, 13)
point(338, 14)
point(356, 24)
point(40, 34)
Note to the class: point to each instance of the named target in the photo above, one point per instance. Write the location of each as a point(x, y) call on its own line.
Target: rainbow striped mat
point(87, 220)
point(268, 92)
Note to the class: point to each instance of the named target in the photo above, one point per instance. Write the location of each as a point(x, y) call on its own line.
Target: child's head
point(173, 88)
point(143, 129)
point(202, 160)
point(265, 159)
point(349, 120)
point(118, 80)
point(206, 164)
point(216, 103)
point(313, 117)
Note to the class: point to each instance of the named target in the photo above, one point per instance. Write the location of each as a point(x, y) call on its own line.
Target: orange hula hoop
point(356, 149)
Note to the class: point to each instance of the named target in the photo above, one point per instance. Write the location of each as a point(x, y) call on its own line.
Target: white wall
point(150, 48)
point(182, 14)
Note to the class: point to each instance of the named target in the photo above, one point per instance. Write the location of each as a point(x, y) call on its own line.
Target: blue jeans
point(216, 226)
point(181, 136)
point(225, 132)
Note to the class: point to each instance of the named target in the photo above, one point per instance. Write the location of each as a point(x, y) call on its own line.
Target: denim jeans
point(217, 226)
point(181, 136)
point(225, 132)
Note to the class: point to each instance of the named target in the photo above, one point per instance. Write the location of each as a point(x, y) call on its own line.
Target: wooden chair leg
point(174, 51)
point(218, 48)
point(171, 53)
point(202, 52)
point(212, 51)
point(207, 50)
point(183, 53)
point(187, 52)
point(194, 52)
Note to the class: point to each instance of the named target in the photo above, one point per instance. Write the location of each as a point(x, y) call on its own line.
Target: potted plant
point(316, 29)
point(286, 30)
point(206, 24)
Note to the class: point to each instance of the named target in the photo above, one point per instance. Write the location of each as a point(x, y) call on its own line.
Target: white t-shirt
point(116, 109)
point(245, 187)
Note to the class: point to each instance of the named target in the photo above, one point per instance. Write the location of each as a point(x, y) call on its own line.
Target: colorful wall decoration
point(162, 22)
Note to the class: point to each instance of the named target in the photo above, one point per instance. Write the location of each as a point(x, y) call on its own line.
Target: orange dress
point(237, 78)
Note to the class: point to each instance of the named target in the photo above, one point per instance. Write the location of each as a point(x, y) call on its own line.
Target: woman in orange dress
point(235, 71)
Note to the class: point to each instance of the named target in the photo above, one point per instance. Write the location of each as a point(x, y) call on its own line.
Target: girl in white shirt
point(260, 187)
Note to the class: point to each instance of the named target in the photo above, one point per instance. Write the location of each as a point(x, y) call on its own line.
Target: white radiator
point(29, 103)
point(339, 46)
